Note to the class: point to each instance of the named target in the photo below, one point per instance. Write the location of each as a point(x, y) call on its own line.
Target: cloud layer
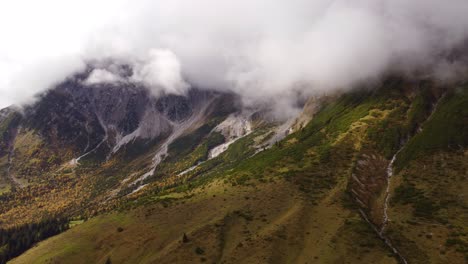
point(262, 49)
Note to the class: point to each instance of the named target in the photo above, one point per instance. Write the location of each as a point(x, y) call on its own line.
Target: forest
point(16, 240)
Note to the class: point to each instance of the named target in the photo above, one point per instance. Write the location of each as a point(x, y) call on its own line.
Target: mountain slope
point(326, 193)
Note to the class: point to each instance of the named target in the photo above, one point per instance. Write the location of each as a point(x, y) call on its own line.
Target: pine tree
point(185, 238)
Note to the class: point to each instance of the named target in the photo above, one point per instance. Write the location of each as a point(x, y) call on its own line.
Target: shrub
point(199, 251)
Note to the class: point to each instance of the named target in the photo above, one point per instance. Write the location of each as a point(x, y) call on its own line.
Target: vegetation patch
point(15, 241)
point(446, 129)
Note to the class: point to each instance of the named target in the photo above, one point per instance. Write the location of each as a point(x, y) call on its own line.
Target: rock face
point(74, 112)
point(75, 120)
point(233, 128)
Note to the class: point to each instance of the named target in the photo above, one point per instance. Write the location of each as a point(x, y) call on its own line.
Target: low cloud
point(267, 51)
point(103, 76)
point(160, 71)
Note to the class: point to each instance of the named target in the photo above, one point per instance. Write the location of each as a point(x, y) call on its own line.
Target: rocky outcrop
point(77, 121)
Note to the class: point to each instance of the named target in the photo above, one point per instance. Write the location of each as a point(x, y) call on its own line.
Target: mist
point(266, 51)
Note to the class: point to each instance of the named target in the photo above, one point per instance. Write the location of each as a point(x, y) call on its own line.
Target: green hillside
point(299, 201)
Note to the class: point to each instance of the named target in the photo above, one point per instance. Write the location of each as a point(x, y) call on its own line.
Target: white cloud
point(160, 71)
point(102, 76)
point(259, 48)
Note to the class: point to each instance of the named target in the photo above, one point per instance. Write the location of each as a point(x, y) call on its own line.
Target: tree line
point(16, 240)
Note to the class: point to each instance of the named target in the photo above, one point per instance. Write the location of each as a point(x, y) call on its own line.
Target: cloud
point(265, 50)
point(102, 76)
point(21, 82)
point(160, 71)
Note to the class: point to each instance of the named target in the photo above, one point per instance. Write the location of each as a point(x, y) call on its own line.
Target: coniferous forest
point(16, 240)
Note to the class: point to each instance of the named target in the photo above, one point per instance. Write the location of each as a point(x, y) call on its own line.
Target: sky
point(265, 50)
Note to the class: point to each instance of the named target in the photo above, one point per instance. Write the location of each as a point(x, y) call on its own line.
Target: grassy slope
point(429, 206)
point(446, 129)
point(271, 222)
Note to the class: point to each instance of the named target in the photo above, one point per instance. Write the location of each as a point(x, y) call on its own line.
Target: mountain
point(372, 175)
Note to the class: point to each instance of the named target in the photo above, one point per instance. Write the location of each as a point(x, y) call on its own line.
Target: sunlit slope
point(265, 222)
